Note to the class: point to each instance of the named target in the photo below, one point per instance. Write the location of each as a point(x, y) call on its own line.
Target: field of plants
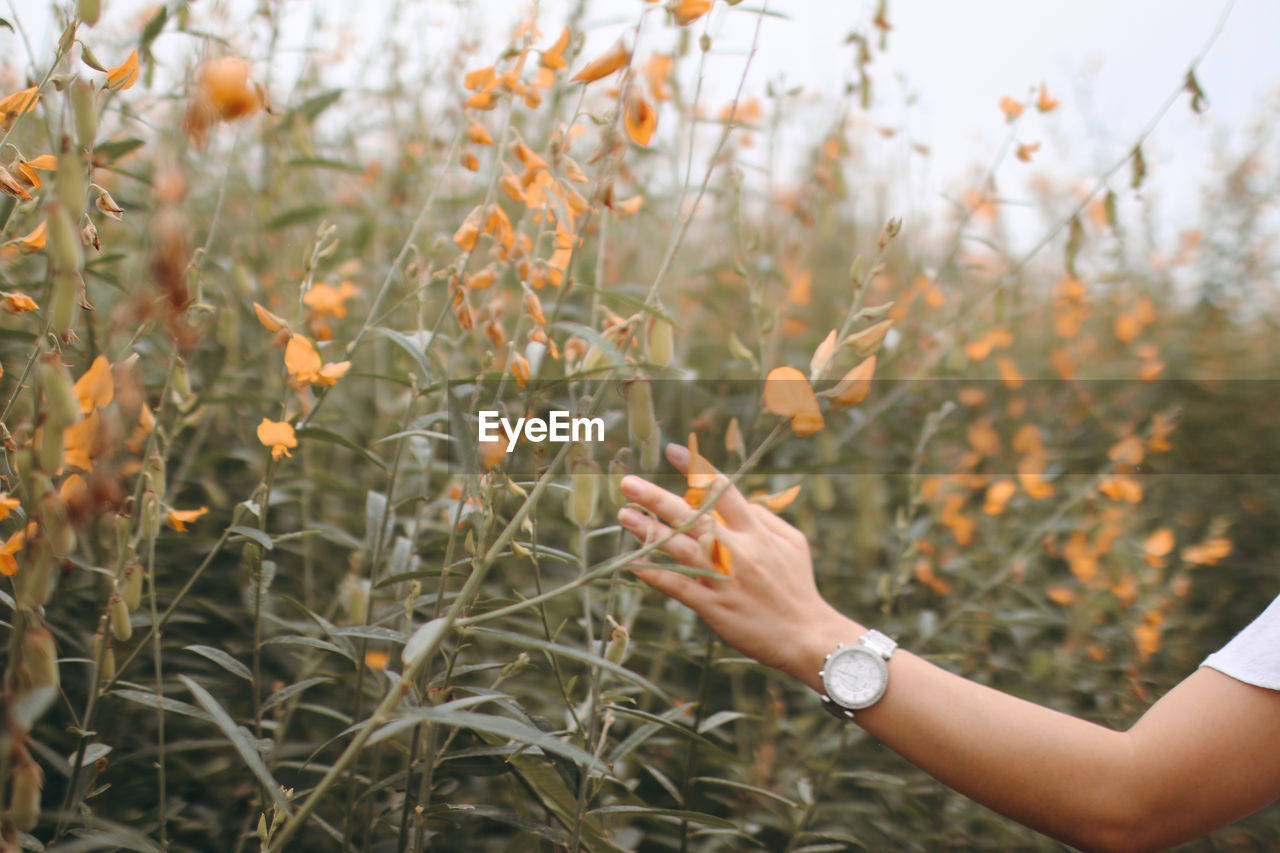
point(265, 588)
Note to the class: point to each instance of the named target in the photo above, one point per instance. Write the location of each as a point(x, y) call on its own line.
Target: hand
point(770, 609)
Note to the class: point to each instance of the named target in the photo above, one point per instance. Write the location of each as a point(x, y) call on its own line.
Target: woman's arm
point(1203, 756)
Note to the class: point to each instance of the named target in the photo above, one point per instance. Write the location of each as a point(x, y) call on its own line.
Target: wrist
point(817, 641)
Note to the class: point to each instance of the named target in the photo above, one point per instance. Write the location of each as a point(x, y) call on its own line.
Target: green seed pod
point(34, 583)
point(124, 530)
point(584, 493)
point(619, 467)
point(469, 543)
point(355, 598)
point(132, 586)
point(86, 113)
point(252, 553)
point(39, 662)
point(617, 648)
point(64, 408)
point(69, 182)
point(49, 447)
point(661, 341)
point(25, 783)
point(105, 656)
point(650, 450)
point(640, 409)
point(121, 627)
point(821, 493)
point(181, 382)
point(64, 241)
point(154, 470)
point(64, 304)
point(150, 526)
point(88, 11)
point(592, 359)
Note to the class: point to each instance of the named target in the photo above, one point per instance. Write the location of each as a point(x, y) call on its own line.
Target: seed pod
point(592, 359)
point(661, 341)
point(617, 648)
point(253, 559)
point(49, 447)
point(355, 598)
point(121, 627)
point(88, 11)
point(86, 113)
point(39, 662)
point(69, 182)
point(132, 586)
point(150, 517)
point(619, 467)
point(584, 493)
point(821, 492)
point(181, 382)
point(64, 304)
point(33, 584)
point(106, 657)
point(154, 470)
point(640, 409)
point(64, 243)
point(64, 408)
point(25, 782)
point(649, 451)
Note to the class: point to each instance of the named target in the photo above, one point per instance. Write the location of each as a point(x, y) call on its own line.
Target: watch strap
point(881, 644)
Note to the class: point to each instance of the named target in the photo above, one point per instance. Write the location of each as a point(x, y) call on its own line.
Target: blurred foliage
point(379, 636)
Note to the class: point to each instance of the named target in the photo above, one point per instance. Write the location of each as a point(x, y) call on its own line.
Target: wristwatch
point(855, 675)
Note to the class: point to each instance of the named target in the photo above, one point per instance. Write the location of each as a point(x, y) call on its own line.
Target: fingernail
point(632, 486)
point(628, 517)
point(677, 453)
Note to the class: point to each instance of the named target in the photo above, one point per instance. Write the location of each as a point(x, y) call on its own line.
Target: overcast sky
point(1110, 62)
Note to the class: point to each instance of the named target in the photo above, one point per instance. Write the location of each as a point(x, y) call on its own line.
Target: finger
point(765, 517)
point(657, 500)
point(682, 588)
point(678, 456)
point(732, 506)
point(681, 547)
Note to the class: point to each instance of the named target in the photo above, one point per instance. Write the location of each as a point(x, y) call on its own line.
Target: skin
point(1203, 756)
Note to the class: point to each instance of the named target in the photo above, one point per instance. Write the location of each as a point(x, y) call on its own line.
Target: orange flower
point(478, 135)
point(223, 92)
point(95, 388)
point(787, 392)
point(35, 240)
point(8, 503)
point(1025, 151)
point(278, 435)
point(269, 321)
point(16, 303)
point(553, 57)
point(125, 74)
point(18, 103)
point(640, 119)
point(778, 501)
point(81, 442)
point(179, 518)
point(1011, 108)
point(325, 301)
point(376, 660)
point(602, 66)
point(12, 545)
point(303, 361)
point(520, 369)
point(688, 11)
point(1044, 103)
point(856, 384)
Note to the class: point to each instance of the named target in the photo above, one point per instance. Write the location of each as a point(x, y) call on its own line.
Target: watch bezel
point(881, 666)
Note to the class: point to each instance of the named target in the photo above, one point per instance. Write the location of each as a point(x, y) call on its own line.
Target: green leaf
point(284, 694)
point(422, 640)
point(371, 632)
point(311, 108)
point(328, 435)
point(239, 740)
point(671, 814)
point(223, 660)
point(295, 216)
point(152, 29)
point(418, 352)
point(719, 719)
point(743, 786)
point(507, 728)
point(253, 533)
point(552, 833)
point(112, 151)
point(577, 654)
point(324, 163)
point(173, 706)
point(309, 642)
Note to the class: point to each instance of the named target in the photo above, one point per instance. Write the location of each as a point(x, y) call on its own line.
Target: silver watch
point(855, 675)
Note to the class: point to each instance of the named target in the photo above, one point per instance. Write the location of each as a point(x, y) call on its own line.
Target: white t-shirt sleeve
point(1254, 655)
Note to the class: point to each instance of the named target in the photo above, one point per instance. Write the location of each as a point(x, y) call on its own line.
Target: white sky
point(1110, 62)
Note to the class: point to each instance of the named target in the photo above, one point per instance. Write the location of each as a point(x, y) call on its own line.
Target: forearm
point(1068, 778)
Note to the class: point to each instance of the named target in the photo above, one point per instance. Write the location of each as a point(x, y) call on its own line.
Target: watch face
point(855, 677)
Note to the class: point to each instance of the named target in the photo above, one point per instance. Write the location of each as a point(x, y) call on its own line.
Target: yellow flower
point(8, 503)
point(278, 435)
point(303, 361)
point(8, 564)
point(95, 388)
point(179, 518)
point(326, 301)
point(125, 74)
point(16, 303)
